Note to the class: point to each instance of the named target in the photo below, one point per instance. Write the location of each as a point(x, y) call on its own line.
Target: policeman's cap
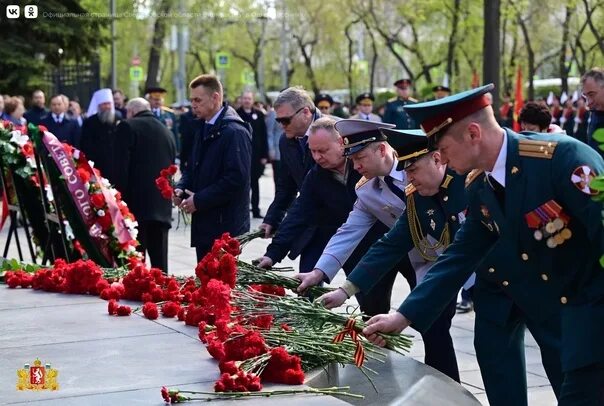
point(323, 100)
point(365, 98)
point(403, 83)
point(156, 91)
point(357, 134)
point(441, 88)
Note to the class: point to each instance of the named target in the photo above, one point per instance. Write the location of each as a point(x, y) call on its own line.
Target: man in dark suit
point(38, 110)
point(255, 117)
point(327, 197)
point(295, 111)
point(144, 147)
point(215, 186)
point(65, 129)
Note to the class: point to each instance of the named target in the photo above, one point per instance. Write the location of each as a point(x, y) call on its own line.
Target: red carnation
point(97, 200)
point(150, 311)
point(216, 349)
point(42, 128)
point(170, 309)
point(105, 222)
point(172, 169)
point(27, 149)
point(124, 311)
point(84, 175)
point(112, 307)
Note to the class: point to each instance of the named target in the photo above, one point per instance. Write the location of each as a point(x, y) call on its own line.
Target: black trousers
point(256, 173)
point(153, 239)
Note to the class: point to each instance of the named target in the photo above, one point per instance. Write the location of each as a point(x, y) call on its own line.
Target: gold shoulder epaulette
point(412, 99)
point(164, 108)
point(409, 189)
point(392, 99)
point(537, 149)
point(474, 173)
point(361, 182)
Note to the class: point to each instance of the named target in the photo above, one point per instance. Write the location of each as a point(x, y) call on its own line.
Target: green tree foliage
point(28, 47)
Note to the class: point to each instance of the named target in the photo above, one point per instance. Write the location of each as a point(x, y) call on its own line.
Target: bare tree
point(455, 12)
point(589, 11)
point(492, 57)
point(350, 57)
point(159, 32)
point(256, 30)
point(562, 66)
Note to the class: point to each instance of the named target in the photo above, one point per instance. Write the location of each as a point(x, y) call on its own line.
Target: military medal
point(550, 223)
point(432, 225)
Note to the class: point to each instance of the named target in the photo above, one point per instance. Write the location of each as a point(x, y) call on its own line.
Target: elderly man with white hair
point(98, 133)
point(143, 147)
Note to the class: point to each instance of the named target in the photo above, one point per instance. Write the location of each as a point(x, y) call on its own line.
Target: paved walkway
point(182, 262)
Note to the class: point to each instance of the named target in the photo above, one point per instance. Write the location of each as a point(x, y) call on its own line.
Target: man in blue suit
point(534, 235)
point(65, 129)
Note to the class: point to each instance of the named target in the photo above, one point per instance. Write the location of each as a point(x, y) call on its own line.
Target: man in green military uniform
point(435, 208)
point(155, 96)
point(395, 108)
point(533, 234)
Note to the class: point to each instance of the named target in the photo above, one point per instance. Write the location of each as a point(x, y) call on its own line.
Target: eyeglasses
point(287, 120)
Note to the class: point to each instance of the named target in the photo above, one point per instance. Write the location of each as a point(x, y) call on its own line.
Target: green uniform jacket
point(395, 113)
point(512, 267)
point(446, 208)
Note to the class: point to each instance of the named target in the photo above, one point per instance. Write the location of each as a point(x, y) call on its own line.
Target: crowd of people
point(442, 191)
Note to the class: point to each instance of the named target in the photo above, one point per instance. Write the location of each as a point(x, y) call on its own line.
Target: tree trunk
point(159, 32)
point(307, 55)
point(452, 38)
point(530, 57)
point(350, 50)
point(562, 57)
point(490, 46)
point(374, 60)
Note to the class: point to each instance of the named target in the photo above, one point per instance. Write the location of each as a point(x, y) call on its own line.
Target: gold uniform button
point(491, 270)
point(544, 277)
point(524, 256)
point(505, 283)
point(563, 300)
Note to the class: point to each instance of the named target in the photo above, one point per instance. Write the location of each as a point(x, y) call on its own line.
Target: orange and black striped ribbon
point(359, 353)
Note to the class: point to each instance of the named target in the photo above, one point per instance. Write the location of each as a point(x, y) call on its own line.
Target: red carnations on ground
point(150, 311)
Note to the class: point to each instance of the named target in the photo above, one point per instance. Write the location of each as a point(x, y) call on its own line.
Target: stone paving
point(115, 333)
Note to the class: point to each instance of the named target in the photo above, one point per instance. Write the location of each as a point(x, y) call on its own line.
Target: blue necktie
point(395, 189)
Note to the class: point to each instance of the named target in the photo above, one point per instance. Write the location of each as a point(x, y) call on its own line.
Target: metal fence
point(77, 81)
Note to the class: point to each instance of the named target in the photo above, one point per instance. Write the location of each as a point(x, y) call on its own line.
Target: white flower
point(76, 153)
point(49, 194)
point(31, 162)
point(18, 138)
point(133, 233)
point(113, 191)
point(105, 182)
point(91, 163)
point(68, 231)
point(100, 213)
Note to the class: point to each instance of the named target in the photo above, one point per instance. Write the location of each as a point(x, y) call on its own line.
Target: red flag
point(518, 100)
point(475, 80)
